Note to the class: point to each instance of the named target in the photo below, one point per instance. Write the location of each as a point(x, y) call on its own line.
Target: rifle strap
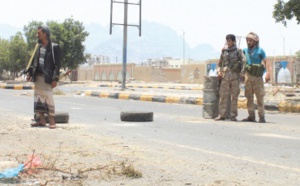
point(53, 53)
point(221, 61)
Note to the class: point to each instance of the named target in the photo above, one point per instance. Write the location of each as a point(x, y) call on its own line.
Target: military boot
point(262, 120)
point(249, 118)
point(233, 118)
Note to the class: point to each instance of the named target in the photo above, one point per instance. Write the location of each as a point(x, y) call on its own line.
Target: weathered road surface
point(181, 148)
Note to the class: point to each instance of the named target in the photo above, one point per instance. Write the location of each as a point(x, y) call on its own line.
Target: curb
point(17, 87)
point(29, 87)
point(145, 97)
point(155, 87)
point(283, 106)
point(291, 105)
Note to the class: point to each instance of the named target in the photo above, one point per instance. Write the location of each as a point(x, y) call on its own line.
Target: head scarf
point(46, 30)
point(253, 36)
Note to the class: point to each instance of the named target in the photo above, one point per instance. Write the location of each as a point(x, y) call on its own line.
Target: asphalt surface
point(283, 99)
point(188, 148)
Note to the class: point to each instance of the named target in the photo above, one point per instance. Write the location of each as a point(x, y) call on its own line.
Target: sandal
point(52, 126)
point(219, 118)
point(38, 124)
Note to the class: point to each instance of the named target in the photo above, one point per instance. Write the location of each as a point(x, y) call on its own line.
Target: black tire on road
point(60, 117)
point(137, 116)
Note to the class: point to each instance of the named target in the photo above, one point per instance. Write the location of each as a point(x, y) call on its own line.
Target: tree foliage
point(73, 38)
point(298, 55)
point(13, 53)
point(30, 32)
point(70, 35)
point(4, 54)
point(18, 55)
point(284, 11)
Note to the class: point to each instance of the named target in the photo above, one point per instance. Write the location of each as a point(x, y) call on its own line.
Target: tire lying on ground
point(60, 117)
point(136, 116)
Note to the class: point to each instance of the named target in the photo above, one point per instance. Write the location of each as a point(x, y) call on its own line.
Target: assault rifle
point(64, 74)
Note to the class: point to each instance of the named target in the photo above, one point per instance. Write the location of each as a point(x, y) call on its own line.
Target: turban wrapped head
point(253, 36)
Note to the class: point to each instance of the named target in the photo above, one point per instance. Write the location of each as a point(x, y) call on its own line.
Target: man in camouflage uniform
point(230, 66)
point(253, 71)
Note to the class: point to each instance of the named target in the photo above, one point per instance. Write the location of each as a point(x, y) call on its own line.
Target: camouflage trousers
point(230, 89)
point(254, 85)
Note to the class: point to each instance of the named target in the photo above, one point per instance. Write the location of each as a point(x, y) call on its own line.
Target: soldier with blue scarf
point(253, 73)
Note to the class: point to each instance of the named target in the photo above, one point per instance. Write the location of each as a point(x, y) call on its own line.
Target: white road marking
point(126, 125)
point(230, 156)
point(275, 136)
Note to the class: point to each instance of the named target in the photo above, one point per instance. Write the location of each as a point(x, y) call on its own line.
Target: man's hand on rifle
point(267, 78)
point(28, 77)
point(242, 77)
point(53, 84)
point(220, 75)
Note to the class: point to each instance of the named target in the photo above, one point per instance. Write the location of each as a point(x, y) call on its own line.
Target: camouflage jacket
point(231, 59)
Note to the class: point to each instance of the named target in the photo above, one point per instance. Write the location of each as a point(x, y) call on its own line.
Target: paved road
point(182, 146)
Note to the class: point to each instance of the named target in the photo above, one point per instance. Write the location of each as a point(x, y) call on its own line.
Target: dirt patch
point(70, 156)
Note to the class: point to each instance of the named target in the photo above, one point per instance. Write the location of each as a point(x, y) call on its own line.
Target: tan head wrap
point(253, 36)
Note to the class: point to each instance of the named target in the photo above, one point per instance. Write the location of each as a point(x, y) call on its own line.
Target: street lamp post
point(124, 44)
point(125, 25)
point(283, 44)
point(183, 47)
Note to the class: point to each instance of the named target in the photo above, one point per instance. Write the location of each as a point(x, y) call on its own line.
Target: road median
point(287, 105)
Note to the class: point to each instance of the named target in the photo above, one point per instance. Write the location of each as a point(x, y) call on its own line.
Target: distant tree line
point(287, 10)
point(70, 35)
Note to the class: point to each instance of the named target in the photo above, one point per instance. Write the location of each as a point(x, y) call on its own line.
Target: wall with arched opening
point(96, 76)
point(111, 76)
point(103, 76)
point(119, 76)
point(282, 72)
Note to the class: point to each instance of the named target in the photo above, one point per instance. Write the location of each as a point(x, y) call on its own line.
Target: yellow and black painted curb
point(17, 87)
point(145, 97)
point(154, 87)
point(287, 105)
point(290, 105)
point(284, 106)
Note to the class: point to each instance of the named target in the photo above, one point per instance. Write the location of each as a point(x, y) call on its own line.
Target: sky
point(200, 21)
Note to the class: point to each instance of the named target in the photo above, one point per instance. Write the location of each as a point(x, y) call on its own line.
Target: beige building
point(283, 70)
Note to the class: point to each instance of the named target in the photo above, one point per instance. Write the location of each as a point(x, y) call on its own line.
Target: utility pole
point(124, 69)
point(283, 45)
point(183, 47)
point(125, 25)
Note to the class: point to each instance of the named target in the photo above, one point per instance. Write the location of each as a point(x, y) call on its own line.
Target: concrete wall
point(85, 74)
point(150, 74)
point(282, 70)
point(277, 73)
point(142, 73)
point(171, 74)
point(297, 70)
point(193, 73)
point(112, 72)
point(211, 67)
